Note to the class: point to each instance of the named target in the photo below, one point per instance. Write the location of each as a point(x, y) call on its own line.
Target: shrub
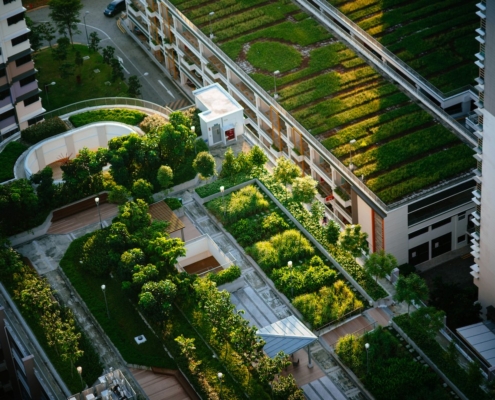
point(227, 275)
point(142, 189)
point(94, 256)
point(152, 122)
point(173, 203)
point(126, 116)
point(8, 157)
point(265, 255)
point(245, 202)
point(273, 223)
point(118, 195)
point(42, 130)
point(246, 231)
point(214, 187)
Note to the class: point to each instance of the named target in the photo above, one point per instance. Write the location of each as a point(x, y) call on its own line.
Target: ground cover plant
point(68, 90)
point(437, 39)
point(337, 97)
point(126, 116)
point(8, 157)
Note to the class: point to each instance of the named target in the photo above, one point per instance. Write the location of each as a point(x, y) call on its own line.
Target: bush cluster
point(42, 130)
point(173, 202)
point(225, 276)
point(126, 116)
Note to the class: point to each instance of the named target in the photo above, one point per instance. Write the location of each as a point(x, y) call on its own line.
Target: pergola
point(162, 212)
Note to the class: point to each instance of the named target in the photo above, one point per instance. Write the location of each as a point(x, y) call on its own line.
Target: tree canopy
point(411, 289)
point(65, 15)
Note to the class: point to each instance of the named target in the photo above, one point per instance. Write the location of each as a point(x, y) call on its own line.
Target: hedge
point(42, 130)
point(8, 157)
point(124, 115)
point(225, 276)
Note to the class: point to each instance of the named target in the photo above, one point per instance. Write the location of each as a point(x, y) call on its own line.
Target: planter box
point(342, 202)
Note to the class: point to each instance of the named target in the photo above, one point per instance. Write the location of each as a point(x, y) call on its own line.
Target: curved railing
point(107, 101)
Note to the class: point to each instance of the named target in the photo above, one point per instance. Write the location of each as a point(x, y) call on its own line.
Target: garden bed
point(8, 157)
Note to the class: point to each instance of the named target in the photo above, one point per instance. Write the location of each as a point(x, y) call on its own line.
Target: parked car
point(114, 8)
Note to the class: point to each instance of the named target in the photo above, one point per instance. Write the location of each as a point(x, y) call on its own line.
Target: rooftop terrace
point(399, 148)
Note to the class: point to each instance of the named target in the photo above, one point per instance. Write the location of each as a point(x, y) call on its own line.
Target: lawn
point(68, 90)
point(8, 157)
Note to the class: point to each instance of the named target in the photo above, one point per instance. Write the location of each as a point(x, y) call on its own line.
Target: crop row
point(202, 15)
point(385, 156)
point(426, 171)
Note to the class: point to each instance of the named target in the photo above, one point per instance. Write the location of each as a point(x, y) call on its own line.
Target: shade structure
point(481, 338)
point(162, 212)
point(287, 335)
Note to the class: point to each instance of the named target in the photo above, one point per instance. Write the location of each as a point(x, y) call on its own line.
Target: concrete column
point(102, 136)
point(40, 156)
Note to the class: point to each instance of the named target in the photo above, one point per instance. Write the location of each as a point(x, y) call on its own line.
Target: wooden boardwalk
point(159, 386)
point(359, 323)
point(301, 373)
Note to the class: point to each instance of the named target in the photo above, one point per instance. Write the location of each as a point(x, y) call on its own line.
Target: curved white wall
point(69, 143)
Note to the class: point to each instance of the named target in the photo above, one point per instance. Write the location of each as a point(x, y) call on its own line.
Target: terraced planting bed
point(436, 38)
point(335, 95)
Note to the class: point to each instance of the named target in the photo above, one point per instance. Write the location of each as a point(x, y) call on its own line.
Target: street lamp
point(193, 131)
point(367, 346)
point(97, 201)
point(222, 189)
point(220, 376)
point(351, 166)
point(209, 18)
point(289, 264)
point(46, 90)
point(85, 27)
point(275, 73)
point(103, 287)
point(79, 371)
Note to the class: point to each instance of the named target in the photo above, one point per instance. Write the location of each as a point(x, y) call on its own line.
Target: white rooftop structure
point(287, 335)
point(481, 337)
point(217, 101)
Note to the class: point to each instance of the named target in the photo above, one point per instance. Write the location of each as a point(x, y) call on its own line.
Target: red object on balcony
point(230, 134)
point(328, 198)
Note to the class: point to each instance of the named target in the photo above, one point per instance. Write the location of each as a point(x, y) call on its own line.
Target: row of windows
point(436, 225)
point(7, 114)
point(8, 1)
point(27, 80)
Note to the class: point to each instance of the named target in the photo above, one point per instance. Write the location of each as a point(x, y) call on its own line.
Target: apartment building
point(20, 104)
point(484, 194)
point(417, 228)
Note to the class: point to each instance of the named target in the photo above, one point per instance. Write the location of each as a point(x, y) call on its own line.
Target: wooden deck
point(360, 324)
point(206, 264)
point(301, 373)
point(379, 315)
point(189, 231)
point(158, 386)
point(83, 218)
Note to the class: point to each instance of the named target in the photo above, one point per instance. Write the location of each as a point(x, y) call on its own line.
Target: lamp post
point(220, 377)
point(211, 14)
point(103, 287)
point(367, 346)
point(79, 371)
point(85, 27)
point(289, 264)
point(275, 73)
point(193, 131)
point(46, 90)
point(222, 189)
point(351, 166)
point(97, 201)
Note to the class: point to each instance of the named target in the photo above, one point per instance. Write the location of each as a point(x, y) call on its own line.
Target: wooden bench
point(78, 206)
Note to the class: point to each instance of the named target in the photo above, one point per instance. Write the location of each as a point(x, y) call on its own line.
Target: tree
point(353, 240)
point(380, 264)
point(47, 31)
point(411, 289)
point(332, 232)
point(165, 176)
point(134, 215)
point(285, 172)
point(94, 42)
point(204, 164)
point(78, 60)
point(156, 298)
point(134, 89)
point(230, 167)
point(66, 69)
point(65, 15)
point(117, 70)
point(118, 195)
point(108, 54)
point(258, 158)
point(35, 36)
point(430, 319)
point(45, 190)
point(142, 189)
point(304, 189)
point(285, 388)
point(60, 52)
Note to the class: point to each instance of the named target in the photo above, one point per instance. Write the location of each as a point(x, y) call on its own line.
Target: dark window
point(35, 120)
point(4, 93)
point(461, 239)
point(461, 216)
point(23, 60)
point(419, 254)
point(29, 79)
point(441, 223)
point(19, 39)
point(8, 1)
point(417, 233)
point(441, 245)
point(7, 114)
point(3, 72)
point(31, 100)
point(15, 19)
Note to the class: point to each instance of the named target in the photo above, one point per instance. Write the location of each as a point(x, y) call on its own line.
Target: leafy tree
point(142, 189)
point(18, 205)
point(380, 264)
point(117, 70)
point(411, 289)
point(144, 273)
point(286, 171)
point(65, 15)
point(474, 374)
point(119, 194)
point(108, 54)
point(285, 388)
point(258, 157)
point(204, 164)
point(304, 189)
point(47, 31)
point(175, 138)
point(45, 190)
point(78, 60)
point(163, 252)
point(94, 42)
point(165, 176)
point(430, 319)
point(269, 367)
point(134, 89)
point(332, 232)
point(68, 341)
point(353, 240)
point(156, 298)
point(35, 35)
point(134, 215)
point(230, 166)
point(60, 52)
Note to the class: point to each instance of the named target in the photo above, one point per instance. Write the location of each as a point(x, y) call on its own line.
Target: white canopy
point(481, 337)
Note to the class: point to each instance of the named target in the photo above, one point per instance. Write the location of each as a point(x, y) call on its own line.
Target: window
point(3, 72)
point(19, 39)
point(419, 254)
point(29, 79)
point(8, 1)
point(15, 19)
point(441, 223)
point(4, 93)
point(23, 60)
point(461, 216)
point(418, 232)
point(461, 239)
point(35, 120)
point(441, 245)
point(7, 114)
point(31, 100)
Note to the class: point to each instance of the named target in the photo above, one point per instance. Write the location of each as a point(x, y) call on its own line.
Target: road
point(156, 87)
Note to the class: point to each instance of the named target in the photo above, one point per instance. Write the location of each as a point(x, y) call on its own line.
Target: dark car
point(114, 8)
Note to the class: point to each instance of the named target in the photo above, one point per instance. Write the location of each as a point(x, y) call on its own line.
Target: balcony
point(246, 92)
point(475, 271)
point(219, 66)
point(193, 42)
point(342, 196)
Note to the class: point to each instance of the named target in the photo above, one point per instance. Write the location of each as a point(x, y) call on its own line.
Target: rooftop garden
point(436, 38)
point(335, 95)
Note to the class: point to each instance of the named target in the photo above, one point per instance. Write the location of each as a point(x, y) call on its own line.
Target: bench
point(78, 206)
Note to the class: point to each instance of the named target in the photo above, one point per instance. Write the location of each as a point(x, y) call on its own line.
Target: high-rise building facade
point(20, 104)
